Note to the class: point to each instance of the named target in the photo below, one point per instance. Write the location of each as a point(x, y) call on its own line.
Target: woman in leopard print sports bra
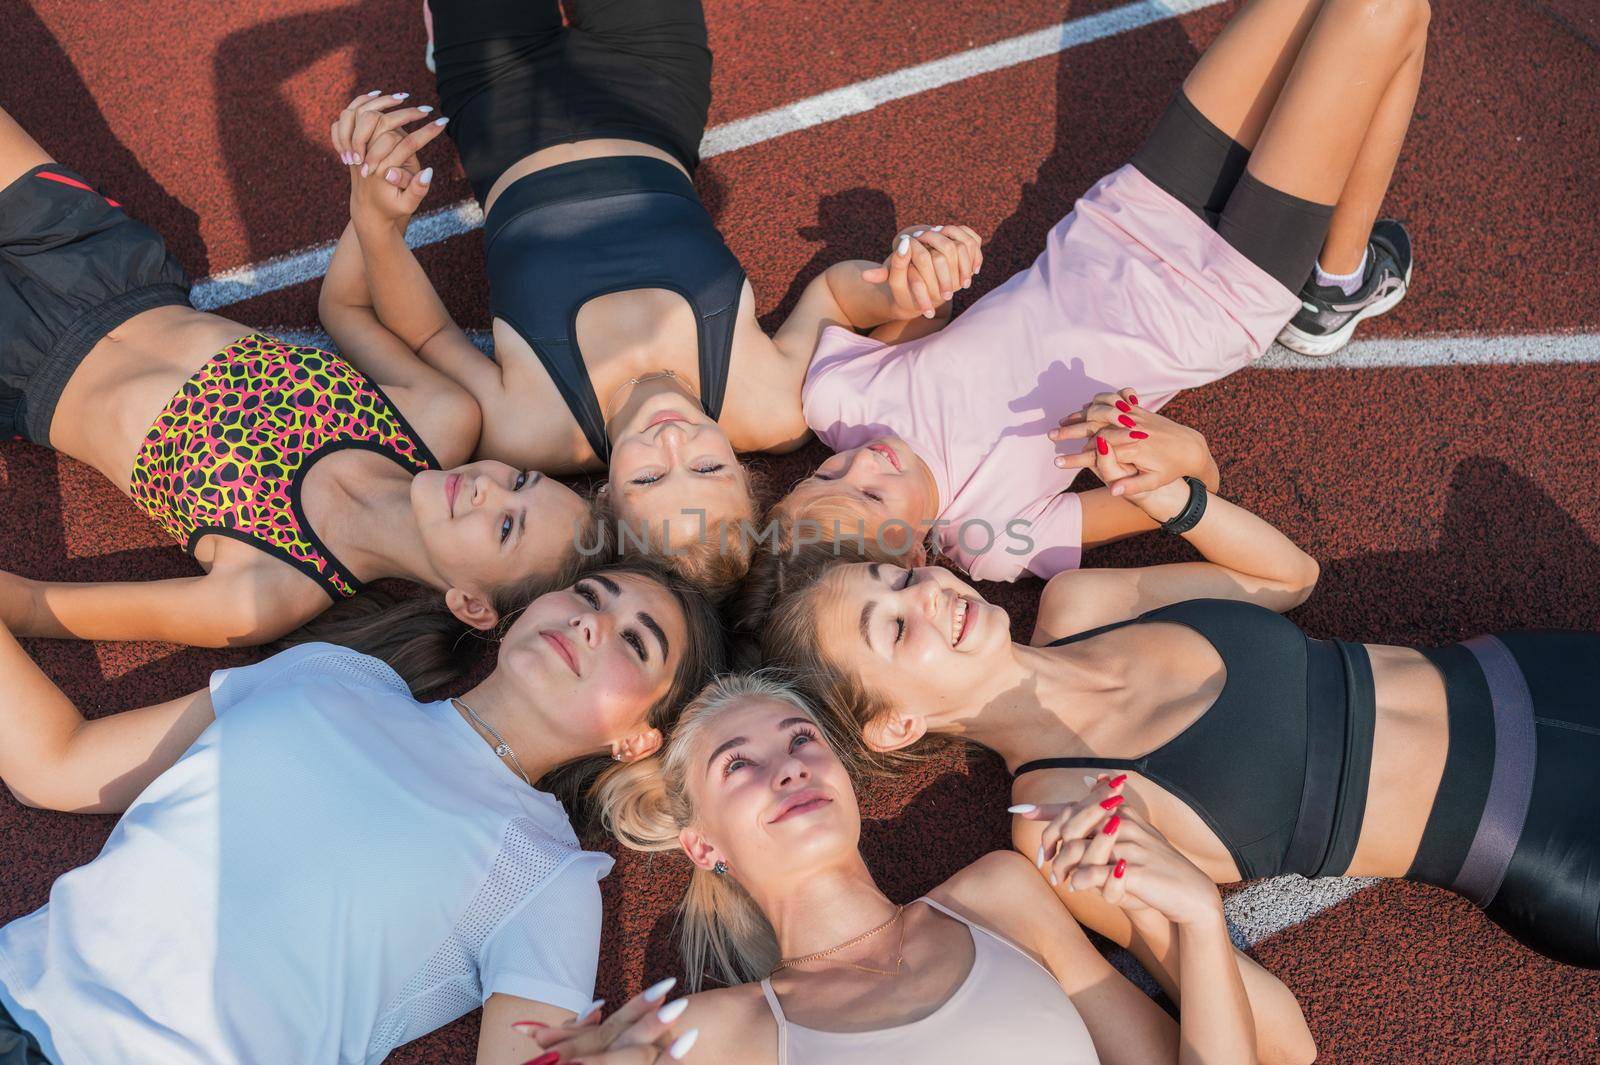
point(292, 475)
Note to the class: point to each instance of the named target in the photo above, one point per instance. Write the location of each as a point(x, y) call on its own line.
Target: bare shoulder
point(1078, 600)
point(1005, 893)
point(736, 1026)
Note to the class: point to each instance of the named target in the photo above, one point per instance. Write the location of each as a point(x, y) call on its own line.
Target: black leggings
point(513, 78)
point(1204, 169)
point(1514, 827)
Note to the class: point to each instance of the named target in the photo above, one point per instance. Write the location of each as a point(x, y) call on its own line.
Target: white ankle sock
point(1346, 283)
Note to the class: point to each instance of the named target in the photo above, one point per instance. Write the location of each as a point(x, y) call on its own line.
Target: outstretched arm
point(905, 296)
point(55, 759)
point(1246, 557)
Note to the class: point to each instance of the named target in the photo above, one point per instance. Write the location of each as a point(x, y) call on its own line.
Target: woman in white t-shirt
point(314, 866)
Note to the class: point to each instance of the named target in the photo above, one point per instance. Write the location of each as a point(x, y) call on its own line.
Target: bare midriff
point(127, 380)
point(557, 154)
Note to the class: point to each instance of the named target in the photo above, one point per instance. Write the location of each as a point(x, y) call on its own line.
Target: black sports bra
point(1277, 767)
point(562, 236)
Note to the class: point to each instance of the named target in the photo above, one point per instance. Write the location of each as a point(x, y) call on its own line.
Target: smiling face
point(882, 481)
point(487, 525)
point(770, 797)
point(604, 652)
point(922, 637)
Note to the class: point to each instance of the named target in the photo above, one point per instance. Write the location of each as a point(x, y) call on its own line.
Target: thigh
point(1237, 81)
point(19, 153)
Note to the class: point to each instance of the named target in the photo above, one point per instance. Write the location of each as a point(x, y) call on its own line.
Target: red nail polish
point(1101, 445)
point(1125, 420)
point(1111, 825)
point(1117, 781)
point(1122, 867)
point(528, 1026)
point(545, 1059)
point(1123, 407)
point(1133, 399)
point(1137, 435)
point(1112, 803)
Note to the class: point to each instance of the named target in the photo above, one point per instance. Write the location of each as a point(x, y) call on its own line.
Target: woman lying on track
point(1267, 167)
point(825, 969)
point(291, 475)
point(614, 297)
point(1255, 749)
point(313, 866)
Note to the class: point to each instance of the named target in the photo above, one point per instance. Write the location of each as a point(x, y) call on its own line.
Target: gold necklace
point(900, 955)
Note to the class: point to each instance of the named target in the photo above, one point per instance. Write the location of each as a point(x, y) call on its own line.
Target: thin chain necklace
point(502, 748)
point(900, 955)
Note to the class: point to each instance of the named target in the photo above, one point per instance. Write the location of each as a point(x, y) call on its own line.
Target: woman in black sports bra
point(1255, 749)
point(614, 296)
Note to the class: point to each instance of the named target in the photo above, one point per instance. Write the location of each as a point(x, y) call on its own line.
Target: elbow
point(1310, 571)
point(1292, 1048)
point(22, 796)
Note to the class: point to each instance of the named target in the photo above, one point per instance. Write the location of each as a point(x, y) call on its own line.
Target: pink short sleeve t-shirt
point(1132, 290)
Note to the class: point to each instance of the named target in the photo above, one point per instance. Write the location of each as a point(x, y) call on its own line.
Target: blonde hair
point(721, 930)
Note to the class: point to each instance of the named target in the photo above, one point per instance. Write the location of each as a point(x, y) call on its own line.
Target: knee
point(1398, 24)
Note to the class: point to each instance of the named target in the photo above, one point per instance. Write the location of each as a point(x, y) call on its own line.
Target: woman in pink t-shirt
point(1252, 201)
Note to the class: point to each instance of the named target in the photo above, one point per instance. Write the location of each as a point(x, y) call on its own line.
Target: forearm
point(1215, 1024)
point(867, 305)
point(404, 298)
point(1281, 1034)
point(1232, 537)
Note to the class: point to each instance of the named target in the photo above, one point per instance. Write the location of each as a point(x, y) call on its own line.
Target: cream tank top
point(1008, 1004)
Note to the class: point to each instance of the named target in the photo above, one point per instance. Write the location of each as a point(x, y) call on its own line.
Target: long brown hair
point(430, 648)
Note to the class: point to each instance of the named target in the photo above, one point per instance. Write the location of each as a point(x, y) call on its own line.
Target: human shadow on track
point(42, 89)
point(1108, 97)
point(1507, 556)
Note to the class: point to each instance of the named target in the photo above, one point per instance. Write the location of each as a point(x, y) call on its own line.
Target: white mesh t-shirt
point(332, 869)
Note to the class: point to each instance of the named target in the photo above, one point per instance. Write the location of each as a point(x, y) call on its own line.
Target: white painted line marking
point(243, 282)
point(1538, 349)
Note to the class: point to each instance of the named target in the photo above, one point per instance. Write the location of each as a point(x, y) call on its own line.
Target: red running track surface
point(1442, 501)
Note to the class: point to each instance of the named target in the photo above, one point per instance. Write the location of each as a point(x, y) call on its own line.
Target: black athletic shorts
point(1204, 169)
point(513, 78)
point(73, 267)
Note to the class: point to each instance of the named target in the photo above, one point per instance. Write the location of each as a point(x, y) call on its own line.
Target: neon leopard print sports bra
point(228, 454)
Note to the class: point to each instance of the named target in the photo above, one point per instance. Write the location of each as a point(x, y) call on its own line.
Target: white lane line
point(270, 275)
point(1531, 350)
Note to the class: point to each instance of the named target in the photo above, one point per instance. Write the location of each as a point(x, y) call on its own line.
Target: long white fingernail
point(1021, 808)
point(441, 121)
point(426, 176)
point(948, 295)
point(401, 95)
point(375, 92)
point(1039, 860)
point(672, 1011)
point(905, 246)
point(391, 175)
point(426, 109)
point(658, 991)
point(365, 170)
point(1053, 880)
point(591, 1007)
point(927, 314)
point(681, 1047)
point(919, 232)
point(1089, 781)
point(938, 229)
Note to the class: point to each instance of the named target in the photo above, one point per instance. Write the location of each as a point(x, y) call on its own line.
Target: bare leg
point(1236, 82)
point(19, 153)
point(1335, 132)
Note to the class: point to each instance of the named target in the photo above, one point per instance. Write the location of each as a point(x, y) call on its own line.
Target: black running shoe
point(1328, 318)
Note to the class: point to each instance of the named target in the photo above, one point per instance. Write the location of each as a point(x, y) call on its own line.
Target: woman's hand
point(640, 1033)
point(1159, 450)
point(386, 180)
point(928, 261)
point(1096, 844)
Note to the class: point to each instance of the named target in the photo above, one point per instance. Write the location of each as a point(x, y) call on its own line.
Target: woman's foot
point(1328, 316)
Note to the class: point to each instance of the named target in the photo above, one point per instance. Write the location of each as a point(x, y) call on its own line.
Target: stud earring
point(721, 868)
